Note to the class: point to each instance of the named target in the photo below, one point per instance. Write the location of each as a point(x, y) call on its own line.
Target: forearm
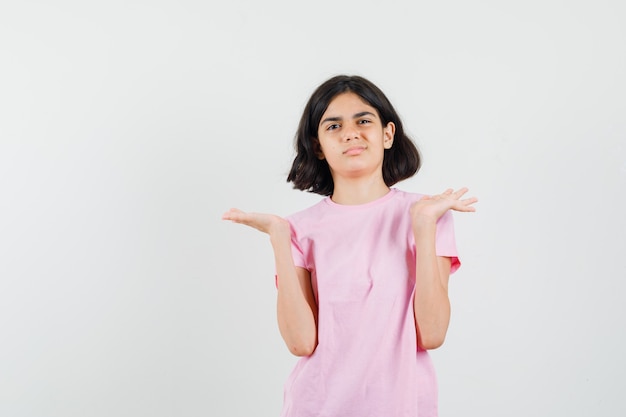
point(431, 303)
point(296, 309)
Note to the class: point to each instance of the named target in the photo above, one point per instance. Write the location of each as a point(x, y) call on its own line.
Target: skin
point(352, 139)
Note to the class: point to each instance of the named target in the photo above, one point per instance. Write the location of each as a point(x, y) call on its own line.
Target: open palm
point(433, 207)
point(266, 223)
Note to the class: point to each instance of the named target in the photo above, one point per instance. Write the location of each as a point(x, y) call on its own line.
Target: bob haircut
point(309, 173)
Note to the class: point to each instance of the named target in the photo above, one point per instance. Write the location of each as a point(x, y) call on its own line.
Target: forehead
point(348, 104)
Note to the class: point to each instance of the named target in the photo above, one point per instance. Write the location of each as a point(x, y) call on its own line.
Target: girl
point(362, 276)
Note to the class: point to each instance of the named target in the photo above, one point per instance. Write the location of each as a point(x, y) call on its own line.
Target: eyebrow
point(356, 116)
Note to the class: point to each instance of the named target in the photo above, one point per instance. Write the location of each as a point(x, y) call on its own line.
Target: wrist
point(424, 222)
point(280, 231)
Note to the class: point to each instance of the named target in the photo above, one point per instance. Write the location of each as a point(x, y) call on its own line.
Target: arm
point(431, 304)
point(296, 307)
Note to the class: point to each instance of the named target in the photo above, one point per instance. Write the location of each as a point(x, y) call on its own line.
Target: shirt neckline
point(379, 200)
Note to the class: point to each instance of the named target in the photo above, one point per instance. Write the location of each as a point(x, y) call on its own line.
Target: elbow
point(299, 341)
point(431, 342)
point(302, 348)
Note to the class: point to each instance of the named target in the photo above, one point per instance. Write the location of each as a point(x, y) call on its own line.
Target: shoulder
point(409, 198)
point(308, 215)
point(405, 197)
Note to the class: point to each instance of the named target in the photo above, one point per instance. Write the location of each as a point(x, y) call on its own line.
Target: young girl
point(362, 276)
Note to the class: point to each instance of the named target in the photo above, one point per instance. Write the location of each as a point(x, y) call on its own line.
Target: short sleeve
point(445, 242)
point(296, 253)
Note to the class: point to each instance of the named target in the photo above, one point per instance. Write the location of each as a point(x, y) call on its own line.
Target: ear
point(318, 149)
point(389, 131)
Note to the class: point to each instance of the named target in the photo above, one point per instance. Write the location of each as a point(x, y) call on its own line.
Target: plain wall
point(128, 127)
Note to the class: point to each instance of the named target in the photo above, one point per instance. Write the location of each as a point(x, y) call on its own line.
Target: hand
point(266, 223)
point(431, 208)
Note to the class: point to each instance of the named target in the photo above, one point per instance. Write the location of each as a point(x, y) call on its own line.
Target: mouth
point(354, 150)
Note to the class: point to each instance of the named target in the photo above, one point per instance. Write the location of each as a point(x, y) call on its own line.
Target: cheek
point(324, 144)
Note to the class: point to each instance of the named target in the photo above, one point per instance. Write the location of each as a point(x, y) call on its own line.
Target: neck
point(356, 191)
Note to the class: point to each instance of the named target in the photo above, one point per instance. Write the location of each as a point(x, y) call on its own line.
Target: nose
point(350, 133)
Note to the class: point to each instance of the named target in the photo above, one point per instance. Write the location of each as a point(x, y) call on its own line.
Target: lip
point(354, 150)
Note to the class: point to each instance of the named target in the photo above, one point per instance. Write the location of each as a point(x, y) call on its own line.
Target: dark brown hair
point(309, 173)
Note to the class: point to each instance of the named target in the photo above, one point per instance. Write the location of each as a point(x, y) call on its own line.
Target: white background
point(128, 127)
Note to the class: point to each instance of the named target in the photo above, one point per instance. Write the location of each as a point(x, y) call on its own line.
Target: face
point(352, 137)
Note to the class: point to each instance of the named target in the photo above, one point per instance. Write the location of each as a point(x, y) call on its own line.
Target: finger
point(467, 201)
point(233, 214)
point(466, 205)
point(457, 194)
point(463, 208)
point(447, 192)
point(228, 214)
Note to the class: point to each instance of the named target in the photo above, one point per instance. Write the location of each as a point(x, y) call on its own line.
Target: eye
point(333, 126)
point(364, 121)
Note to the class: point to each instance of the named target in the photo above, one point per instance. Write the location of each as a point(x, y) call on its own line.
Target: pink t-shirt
point(362, 264)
